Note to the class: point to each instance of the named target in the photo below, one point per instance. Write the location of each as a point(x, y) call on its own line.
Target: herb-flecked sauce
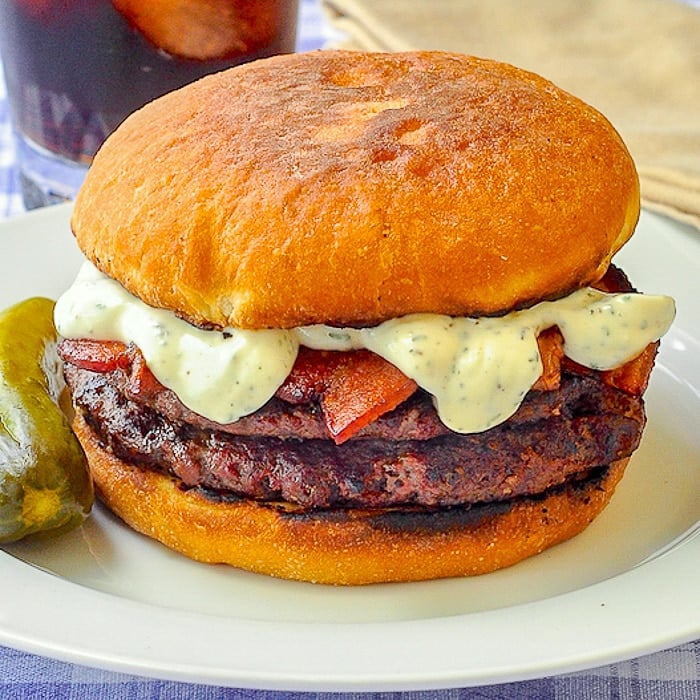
point(478, 370)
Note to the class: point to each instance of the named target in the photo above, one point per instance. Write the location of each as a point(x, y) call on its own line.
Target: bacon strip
point(551, 345)
point(354, 388)
point(95, 355)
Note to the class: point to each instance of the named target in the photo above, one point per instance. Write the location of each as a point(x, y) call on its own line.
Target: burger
point(351, 317)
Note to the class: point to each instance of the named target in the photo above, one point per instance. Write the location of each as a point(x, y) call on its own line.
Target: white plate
point(107, 597)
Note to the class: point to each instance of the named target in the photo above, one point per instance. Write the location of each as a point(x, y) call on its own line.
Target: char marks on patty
point(554, 436)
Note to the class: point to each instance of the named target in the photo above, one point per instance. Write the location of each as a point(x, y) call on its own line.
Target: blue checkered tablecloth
point(673, 674)
point(10, 198)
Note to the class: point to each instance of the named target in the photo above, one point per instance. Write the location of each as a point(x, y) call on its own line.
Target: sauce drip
point(478, 370)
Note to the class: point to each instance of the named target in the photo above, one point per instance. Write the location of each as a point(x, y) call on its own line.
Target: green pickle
point(45, 486)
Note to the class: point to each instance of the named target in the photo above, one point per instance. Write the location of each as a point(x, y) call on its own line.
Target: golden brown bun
point(348, 188)
point(340, 547)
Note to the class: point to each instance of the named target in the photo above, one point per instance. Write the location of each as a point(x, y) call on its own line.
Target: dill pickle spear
point(44, 481)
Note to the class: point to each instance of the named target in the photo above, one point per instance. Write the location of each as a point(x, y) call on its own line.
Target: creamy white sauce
point(220, 375)
point(478, 370)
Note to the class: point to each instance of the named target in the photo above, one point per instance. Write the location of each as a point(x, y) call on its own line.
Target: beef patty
point(406, 457)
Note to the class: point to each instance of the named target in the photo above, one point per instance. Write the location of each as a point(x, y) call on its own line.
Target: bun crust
point(342, 547)
point(349, 188)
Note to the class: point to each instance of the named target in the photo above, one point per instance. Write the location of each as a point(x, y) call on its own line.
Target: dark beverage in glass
point(76, 68)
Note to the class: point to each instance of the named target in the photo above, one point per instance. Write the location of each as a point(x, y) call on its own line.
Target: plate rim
point(601, 601)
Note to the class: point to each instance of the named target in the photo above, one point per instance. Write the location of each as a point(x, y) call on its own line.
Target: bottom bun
point(346, 547)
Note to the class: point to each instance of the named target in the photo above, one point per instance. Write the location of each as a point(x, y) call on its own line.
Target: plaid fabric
point(667, 675)
point(10, 197)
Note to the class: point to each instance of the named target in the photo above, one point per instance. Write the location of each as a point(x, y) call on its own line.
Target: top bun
point(347, 188)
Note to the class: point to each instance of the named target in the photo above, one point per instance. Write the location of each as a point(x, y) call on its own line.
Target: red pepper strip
point(95, 355)
point(354, 388)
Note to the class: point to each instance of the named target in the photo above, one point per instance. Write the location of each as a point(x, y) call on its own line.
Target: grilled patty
point(406, 457)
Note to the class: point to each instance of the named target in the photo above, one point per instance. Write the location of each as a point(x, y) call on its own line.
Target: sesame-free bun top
point(348, 188)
